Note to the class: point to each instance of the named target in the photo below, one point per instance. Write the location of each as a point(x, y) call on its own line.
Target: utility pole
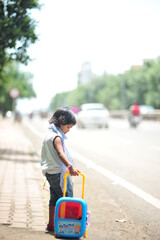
point(123, 94)
point(14, 94)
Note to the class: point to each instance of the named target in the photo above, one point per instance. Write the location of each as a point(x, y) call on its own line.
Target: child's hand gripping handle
point(65, 182)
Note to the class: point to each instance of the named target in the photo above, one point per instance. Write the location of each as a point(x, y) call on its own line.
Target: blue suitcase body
point(71, 215)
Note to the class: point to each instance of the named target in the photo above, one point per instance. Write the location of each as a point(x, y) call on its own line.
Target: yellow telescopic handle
point(65, 182)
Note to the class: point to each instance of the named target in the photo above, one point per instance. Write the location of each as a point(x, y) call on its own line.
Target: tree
point(141, 85)
point(58, 100)
point(14, 77)
point(17, 30)
point(152, 96)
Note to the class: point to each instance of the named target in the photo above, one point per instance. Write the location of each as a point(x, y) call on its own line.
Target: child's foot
point(50, 228)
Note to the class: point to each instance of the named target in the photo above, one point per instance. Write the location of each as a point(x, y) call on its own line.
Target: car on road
point(146, 109)
point(93, 115)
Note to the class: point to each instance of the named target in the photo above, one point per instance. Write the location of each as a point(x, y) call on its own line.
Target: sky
point(112, 35)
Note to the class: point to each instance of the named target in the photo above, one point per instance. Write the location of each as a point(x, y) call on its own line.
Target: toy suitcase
point(71, 215)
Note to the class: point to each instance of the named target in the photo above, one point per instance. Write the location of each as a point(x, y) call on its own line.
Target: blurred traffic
point(93, 115)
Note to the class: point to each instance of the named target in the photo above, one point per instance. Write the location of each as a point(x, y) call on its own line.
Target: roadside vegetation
point(17, 32)
point(141, 84)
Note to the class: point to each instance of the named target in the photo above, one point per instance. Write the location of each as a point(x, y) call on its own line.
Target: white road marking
point(117, 180)
point(33, 129)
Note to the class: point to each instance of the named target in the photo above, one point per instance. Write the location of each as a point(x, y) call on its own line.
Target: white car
point(146, 109)
point(93, 115)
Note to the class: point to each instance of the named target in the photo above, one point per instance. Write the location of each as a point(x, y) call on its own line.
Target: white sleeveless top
point(50, 161)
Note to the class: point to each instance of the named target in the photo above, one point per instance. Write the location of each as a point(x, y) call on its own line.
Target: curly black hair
point(63, 116)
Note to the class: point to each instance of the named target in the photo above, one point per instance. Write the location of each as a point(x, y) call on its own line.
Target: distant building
point(85, 75)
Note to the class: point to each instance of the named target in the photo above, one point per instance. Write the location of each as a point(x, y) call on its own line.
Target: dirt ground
point(108, 220)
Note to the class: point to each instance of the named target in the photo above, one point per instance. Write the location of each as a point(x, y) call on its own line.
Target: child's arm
point(59, 148)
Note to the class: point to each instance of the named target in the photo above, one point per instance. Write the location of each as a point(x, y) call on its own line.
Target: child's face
point(66, 128)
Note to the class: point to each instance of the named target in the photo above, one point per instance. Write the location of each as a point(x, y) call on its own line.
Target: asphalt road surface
point(125, 161)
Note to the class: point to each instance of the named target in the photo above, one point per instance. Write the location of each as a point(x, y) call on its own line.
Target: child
point(55, 158)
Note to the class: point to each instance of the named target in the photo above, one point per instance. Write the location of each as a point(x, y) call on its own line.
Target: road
point(125, 162)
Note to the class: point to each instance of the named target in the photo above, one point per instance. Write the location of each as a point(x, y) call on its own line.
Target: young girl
point(55, 158)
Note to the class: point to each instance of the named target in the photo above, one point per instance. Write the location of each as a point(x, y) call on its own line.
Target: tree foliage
point(17, 30)
point(16, 78)
point(141, 85)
